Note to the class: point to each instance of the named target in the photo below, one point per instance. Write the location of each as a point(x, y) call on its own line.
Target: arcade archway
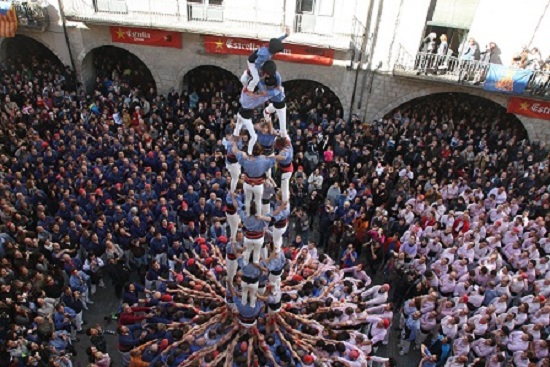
point(211, 83)
point(107, 65)
point(477, 113)
point(23, 50)
point(312, 94)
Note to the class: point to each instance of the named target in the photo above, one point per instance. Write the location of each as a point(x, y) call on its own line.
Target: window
point(305, 6)
point(206, 2)
point(323, 8)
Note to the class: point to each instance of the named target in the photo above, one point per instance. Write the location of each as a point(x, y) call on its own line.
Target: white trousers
point(285, 185)
point(255, 191)
point(235, 172)
point(266, 208)
point(281, 116)
point(231, 266)
point(278, 238)
point(233, 220)
point(249, 83)
point(275, 281)
point(252, 246)
point(263, 252)
point(248, 126)
point(249, 290)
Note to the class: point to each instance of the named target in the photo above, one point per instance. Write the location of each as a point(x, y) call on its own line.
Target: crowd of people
point(444, 199)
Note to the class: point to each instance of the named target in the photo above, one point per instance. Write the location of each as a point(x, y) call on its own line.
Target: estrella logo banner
point(146, 37)
point(529, 107)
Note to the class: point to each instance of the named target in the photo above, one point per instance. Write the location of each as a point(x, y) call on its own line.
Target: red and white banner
point(529, 107)
point(8, 20)
point(292, 53)
point(145, 36)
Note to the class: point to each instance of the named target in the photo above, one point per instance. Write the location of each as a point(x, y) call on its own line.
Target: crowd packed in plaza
point(242, 228)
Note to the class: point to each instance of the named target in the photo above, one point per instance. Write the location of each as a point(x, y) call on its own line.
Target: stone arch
point(86, 68)
point(289, 73)
point(423, 92)
point(189, 79)
point(217, 62)
point(26, 45)
point(296, 88)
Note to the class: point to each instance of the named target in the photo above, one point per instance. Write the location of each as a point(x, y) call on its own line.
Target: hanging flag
point(530, 108)
point(8, 19)
point(507, 80)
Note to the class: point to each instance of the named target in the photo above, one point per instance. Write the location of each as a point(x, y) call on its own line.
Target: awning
point(454, 13)
point(8, 19)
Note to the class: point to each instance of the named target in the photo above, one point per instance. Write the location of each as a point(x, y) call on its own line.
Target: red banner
point(8, 23)
point(145, 36)
point(292, 53)
point(530, 108)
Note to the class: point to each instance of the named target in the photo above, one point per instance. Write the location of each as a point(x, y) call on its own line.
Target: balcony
point(31, 16)
point(178, 15)
point(261, 21)
point(451, 70)
point(322, 30)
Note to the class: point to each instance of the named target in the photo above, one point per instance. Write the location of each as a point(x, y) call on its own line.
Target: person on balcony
point(256, 60)
point(426, 53)
point(470, 53)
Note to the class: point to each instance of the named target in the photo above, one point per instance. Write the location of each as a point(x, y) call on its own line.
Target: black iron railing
point(447, 68)
point(31, 15)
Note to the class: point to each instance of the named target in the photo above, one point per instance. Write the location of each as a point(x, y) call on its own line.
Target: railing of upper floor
point(31, 15)
point(450, 69)
point(177, 15)
point(260, 21)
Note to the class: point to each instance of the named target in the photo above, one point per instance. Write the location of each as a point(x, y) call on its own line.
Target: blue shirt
point(247, 311)
point(249, 270)
point(283, 214)
point(251, 223)
point(238, 199)
point(274, 93)
point(263, 54)
point(277, 263)
point(251, 102)
point(265, 140)
point(288, 153)
point(229, 248)
point(256, 167)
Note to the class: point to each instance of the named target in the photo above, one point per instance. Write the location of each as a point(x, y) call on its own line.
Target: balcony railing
point(450, 69)
point(177, 15)
point(260, 21)
point(311, 26)
point(31, 16)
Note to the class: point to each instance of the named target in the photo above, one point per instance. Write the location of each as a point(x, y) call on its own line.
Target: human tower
point(264, 319)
